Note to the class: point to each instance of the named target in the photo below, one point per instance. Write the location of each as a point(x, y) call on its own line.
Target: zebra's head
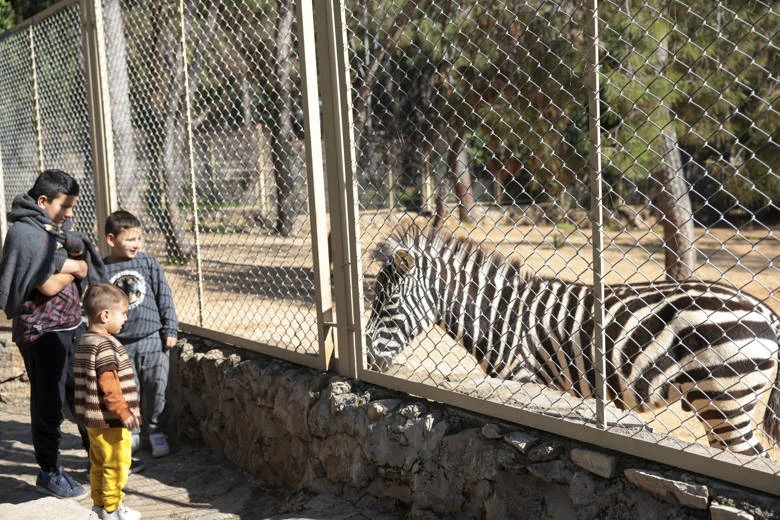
point(403, 307)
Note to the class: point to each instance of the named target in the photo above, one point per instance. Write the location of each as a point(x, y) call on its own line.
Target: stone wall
point(305, 429)
point(14, 387)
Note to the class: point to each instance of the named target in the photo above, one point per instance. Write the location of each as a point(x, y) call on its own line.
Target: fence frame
point(339, 312)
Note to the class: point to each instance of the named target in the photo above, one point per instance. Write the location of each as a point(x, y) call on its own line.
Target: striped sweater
point(106, 393)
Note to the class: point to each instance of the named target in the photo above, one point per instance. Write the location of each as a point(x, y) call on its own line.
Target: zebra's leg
point(727, 413)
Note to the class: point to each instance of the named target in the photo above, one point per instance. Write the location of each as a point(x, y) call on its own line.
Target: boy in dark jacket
point(42, 273)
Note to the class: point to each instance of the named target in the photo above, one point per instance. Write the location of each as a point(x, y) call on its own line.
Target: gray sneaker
point(159, 443)
point(136, 467)
point(59, 484)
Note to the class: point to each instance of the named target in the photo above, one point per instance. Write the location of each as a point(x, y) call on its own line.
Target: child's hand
point(76, 268)
point(132, 422)
point(169, 342)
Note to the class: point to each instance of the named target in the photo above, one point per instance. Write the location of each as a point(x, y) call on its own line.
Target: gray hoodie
point(35, 248)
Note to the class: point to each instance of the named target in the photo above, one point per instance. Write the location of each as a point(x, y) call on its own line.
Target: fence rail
point(606, 145)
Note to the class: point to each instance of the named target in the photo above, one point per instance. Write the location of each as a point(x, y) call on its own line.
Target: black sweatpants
point(49, 365)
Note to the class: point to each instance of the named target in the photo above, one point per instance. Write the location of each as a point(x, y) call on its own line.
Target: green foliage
point(19, 10)
point(566, 226)
point(558, 241)
point(508, 77)
point(703, 70)
point(6, 15)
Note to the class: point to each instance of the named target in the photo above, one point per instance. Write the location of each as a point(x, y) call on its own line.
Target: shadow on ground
point(191, 483)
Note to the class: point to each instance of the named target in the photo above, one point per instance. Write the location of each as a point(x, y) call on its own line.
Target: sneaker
point(59, 484)
point(159, 443)
point(136, 466)
point(98, 510)
point(122, 513)
point(136, 442)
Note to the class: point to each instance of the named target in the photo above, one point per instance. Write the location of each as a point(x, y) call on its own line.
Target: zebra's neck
point(475, 293)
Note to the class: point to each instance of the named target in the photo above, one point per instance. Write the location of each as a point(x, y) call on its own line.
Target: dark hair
point(52, 184)
point(120, 220)
point(102, 296)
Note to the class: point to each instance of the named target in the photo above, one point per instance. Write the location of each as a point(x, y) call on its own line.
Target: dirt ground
point(262, 287)
point(192, 483)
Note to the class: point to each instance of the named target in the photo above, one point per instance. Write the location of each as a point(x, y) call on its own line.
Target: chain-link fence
point(44, 108)
point(478, 115)
point(563, 187)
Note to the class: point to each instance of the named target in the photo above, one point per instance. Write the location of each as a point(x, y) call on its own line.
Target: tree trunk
point(282, 139)
point(673, 197)
point(458, 162)
point(674, 203)
point(129, 186)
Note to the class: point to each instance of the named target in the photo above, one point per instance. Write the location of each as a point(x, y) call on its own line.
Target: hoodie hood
point(24, 207)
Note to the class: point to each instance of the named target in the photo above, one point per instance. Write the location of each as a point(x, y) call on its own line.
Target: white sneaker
point(122, 513)
point(159, 443)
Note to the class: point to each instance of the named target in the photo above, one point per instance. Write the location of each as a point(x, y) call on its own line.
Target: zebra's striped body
point(711, 345)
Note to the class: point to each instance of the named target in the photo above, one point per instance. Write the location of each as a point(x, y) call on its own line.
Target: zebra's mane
point(441, 243)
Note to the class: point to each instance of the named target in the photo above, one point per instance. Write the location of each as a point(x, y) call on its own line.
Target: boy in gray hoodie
point(152, 325)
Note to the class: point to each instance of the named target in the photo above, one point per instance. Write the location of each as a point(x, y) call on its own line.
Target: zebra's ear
point(403, 260)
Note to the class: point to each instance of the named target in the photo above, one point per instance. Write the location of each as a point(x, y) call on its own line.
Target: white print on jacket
point(133, 284)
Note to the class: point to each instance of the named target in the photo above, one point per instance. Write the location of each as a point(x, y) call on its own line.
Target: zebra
point(711, 346)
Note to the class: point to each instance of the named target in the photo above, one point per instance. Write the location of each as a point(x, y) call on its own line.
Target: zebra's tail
point(771, 423)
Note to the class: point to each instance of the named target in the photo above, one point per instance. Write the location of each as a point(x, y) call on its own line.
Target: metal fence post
point(315, 178)
point(337, 114)
point(3, 218)
point(190, 160)
point(596, 202)
point(37, 123)
point(99, 103)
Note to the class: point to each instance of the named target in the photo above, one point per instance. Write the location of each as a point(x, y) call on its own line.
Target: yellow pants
point(110, 451)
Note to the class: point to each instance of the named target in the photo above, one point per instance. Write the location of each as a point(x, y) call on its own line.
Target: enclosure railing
point(599, 150)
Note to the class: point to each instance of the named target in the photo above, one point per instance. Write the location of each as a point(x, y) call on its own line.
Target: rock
point(595, 462)
point(545, 452)
point(378, 409)
point(48, 507)
point(13, 377)
point(523, 442)
point(721, 512)
point(671, 491)
point(552, 472)
point(491, 431)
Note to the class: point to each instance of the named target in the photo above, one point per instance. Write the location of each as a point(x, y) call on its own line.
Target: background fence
point(269, 168)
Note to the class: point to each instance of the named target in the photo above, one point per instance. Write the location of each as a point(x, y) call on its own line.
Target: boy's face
point(114, 317)
point(60, 208)
point(125, 245)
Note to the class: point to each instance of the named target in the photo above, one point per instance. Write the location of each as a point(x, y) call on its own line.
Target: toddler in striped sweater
point(107, 400)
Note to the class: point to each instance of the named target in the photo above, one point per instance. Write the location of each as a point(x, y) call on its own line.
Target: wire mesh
point(45, 120)
point(256, 270)
point(17, 127)
point(471, 118)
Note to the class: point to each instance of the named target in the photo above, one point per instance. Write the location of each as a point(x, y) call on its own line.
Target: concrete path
point(191, 483)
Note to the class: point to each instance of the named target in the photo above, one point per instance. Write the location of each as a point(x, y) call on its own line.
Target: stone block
point(671, 491)
point(721, 512)
point(598, 463)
